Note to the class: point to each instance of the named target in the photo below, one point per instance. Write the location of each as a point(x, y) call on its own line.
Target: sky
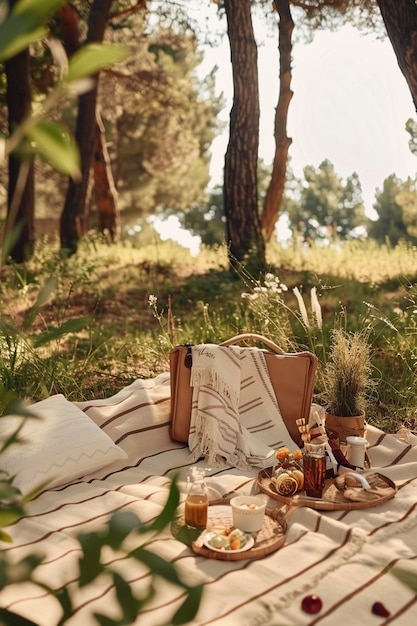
point(350, 105)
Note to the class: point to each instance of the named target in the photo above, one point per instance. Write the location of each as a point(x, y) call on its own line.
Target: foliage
point(206, 219)
point(328, 208)
point(34, 135)
point(347, 373)
point(162, 121)
point(396, 207)
point(24, 25)
point(411, 128)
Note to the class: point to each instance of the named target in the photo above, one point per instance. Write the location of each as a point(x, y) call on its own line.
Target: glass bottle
point(196, 503)
point(314, 467)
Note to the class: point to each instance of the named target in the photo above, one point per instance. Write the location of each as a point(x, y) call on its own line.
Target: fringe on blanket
point(208, 446)
point(209, 377)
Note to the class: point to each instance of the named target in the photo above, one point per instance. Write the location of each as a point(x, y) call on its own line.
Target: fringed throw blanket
point(235, 417)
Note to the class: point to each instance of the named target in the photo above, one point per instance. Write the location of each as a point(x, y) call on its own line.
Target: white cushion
point(60, 446)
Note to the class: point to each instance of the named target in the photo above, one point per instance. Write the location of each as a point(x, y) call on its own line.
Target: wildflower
point(152, 300)
point(284, 455)
point(301, 306)
point(249, 296)
point(316, 308)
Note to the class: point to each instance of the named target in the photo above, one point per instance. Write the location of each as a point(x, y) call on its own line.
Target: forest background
point(121, 300)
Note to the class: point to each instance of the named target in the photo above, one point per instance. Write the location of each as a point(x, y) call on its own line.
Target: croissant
point(356, 494)
point(346, 481)
point(360, 495)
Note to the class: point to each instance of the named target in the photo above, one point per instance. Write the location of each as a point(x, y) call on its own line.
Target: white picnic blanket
point(235, 417)
point(351, 559)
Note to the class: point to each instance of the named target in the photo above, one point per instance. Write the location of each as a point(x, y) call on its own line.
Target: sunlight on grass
point(199, 299)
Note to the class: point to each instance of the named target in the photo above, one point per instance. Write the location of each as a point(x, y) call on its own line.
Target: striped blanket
point(231, 390)
point(351, 559)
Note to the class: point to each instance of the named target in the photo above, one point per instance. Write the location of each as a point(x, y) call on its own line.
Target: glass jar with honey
point(196, 503)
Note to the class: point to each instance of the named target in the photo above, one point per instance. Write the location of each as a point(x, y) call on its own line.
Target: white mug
point(355, 453)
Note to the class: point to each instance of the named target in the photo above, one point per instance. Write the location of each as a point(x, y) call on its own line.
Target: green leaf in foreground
point(189, 607)
point(12, 619)
point(70, 326)
point(168, 512)
point(54, 144)
point(25, 25)
point(92, 58)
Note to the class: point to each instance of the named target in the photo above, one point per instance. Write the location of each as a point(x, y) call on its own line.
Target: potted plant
point(347, 383)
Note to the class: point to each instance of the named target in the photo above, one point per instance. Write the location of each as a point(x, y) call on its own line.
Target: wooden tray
point(270, 538)
point(332, 498)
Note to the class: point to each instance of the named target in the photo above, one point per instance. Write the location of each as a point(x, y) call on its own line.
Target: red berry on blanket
point(379, 609)
point(311, 604)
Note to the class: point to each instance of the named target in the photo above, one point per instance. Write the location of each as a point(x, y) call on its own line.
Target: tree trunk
point(106, 194)
point(243, 225)
point(276, 187)
point(74, 218)
point(400, 19)
point(20, 224)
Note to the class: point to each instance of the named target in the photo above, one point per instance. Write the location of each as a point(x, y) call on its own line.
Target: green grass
point(194, 300)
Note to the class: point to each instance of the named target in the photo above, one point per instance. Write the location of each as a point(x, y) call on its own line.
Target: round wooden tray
point(270, 538)
point(332, 498)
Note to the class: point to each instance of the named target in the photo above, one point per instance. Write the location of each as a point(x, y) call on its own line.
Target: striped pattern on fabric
point(235, 417)
point(348, 558)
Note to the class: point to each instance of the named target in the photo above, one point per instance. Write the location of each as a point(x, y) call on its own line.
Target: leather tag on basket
point(344, 427)
point(292, 377)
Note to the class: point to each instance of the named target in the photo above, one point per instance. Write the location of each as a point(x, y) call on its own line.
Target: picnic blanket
point(350, 559)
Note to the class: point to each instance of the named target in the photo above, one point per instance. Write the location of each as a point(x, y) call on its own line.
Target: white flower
point(301, 306)
point(152, 300)
point(316, 308)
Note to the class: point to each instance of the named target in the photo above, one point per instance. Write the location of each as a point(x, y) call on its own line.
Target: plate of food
point(228, 540)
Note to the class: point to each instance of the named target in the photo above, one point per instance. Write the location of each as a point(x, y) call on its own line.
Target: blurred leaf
point(22, 570)
point(25, 25)
point(126, 599)
point(189, 607)
point(157, 565)
point(11, 619)
point(65, 601)
point(92, 58)
point(13, 42)
point(55, 145)
point(10, 240)
point(8, 515)
point(37, 12)
point(44, 294)
point(407, 578)
point(13, 406)
point(5, 537)
point(70, 326)
point(90, 566)
point(32, 494)
point(120, 526)
point(168, 513)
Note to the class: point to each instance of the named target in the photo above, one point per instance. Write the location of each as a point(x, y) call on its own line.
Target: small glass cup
point(314, 467)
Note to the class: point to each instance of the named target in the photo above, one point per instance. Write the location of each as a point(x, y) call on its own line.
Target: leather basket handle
point(253, 337)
